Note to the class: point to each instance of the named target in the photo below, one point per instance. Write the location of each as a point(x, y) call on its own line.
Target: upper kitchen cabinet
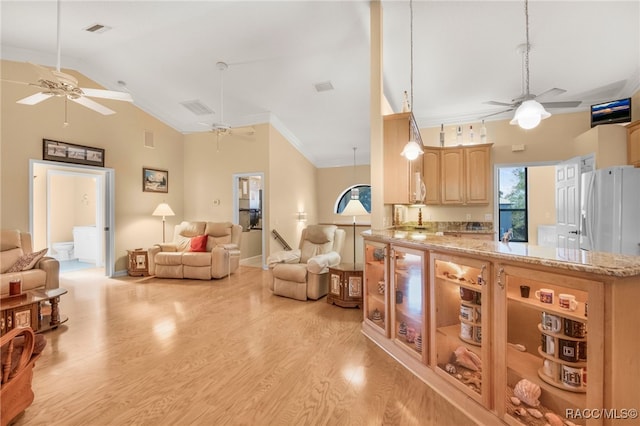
point(465, 174)
point(633, 143)
point(431, 172)
point(398, 129)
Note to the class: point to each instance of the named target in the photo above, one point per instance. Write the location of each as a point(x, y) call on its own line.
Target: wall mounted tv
point(611, 112)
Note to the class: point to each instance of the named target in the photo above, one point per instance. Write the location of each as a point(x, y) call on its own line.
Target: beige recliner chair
point(304, 273)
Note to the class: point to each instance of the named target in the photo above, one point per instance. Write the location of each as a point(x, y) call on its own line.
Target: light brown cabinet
point(481, 335)
point(633, 143)
point(398, 128)
point(457, 176)
point(431, 174)
point(345, 285)
point(375, 292)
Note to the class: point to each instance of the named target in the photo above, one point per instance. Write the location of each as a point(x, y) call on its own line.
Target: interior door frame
point(106, 202)
point(236, 206)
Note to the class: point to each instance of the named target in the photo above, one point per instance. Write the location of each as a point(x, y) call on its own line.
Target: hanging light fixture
point(530, 112)
point(412, 149)
point(354, 207)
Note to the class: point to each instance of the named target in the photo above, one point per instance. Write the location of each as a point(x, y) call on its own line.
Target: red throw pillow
point(199, 243)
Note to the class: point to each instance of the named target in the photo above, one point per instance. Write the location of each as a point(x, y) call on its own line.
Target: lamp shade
point(411, 150)
point(529, 114)
point(354, 208)
point(163, 209)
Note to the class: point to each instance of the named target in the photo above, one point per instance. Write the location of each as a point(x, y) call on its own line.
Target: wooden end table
point(26, 310)
point(138, 264)
point(345, 285)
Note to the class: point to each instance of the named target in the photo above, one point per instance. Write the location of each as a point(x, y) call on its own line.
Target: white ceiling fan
point(56, 83)
point(526, 104)
point(221, 128)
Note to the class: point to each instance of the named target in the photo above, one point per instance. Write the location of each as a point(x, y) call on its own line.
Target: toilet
point(63, 250)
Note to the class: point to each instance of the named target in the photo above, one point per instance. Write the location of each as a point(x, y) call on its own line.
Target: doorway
point(248, 211)
point(71, 209)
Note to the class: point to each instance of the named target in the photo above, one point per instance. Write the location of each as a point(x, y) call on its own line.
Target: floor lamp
point(163, 210)
point(354, 207)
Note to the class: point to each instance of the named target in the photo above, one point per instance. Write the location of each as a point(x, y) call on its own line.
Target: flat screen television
point(611, 112)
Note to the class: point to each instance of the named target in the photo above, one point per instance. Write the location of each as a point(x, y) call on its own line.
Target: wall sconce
point(302, 216)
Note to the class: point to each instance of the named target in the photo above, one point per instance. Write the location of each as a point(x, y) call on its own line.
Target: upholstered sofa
point(304, 273)
point(200, 251)
point(35, 269)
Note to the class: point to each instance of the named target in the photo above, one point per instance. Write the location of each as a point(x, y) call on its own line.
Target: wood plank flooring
point(222, 352)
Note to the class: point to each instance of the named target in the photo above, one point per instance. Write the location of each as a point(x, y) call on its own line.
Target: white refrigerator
point(610, 210)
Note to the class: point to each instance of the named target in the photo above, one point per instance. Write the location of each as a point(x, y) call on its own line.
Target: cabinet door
point(452, 163)
point(352, 287)
point(396, 167)
point(431, 173)
point(633, 143)
point(477, 174)
point(408, 301)
point(375, 291)
point(461, 325)
point(547, 344)
point(335, 283)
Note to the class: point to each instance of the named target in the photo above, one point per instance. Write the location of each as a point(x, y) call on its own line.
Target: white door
point(568, 204)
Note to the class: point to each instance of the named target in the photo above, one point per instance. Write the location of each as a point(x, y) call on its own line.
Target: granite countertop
point(616, 265)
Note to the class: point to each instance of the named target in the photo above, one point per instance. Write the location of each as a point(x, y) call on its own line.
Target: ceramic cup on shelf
point(551, 369)
point(551, 322)
point(524, 291)
point(548, 345)
point(573, 376)
point(466, 331)
point(467, 313)
point(568, 350)
point(574, 328)
point(467, 295)
point(567, 301)
point(477, 334)
point(545, 295)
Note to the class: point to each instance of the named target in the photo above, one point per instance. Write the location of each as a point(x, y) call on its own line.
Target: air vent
point(97, 28)
point(148, 139)
point(197, 107)
point(324, 87)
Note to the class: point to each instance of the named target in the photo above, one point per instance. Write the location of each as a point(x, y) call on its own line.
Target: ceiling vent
point(323, 87)
point(197, 107)
point(97, 28)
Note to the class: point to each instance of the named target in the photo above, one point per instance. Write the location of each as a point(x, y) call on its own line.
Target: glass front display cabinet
point(375, 286)
point(408, 302)
point(461, 318)
point(551, 344)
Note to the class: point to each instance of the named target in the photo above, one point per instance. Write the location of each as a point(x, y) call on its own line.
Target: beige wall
point(289, 188)
point(332, 183)
point(121, 135)
point(542, 199)
point(608, 142)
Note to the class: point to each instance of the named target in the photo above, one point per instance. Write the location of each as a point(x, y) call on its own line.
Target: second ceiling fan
point(221, 128)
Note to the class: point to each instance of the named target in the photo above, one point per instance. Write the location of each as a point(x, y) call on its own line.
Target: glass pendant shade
point(411, 150)
point(529, 114)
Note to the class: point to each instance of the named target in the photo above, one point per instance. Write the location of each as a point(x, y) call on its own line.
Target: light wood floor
point(180, 352)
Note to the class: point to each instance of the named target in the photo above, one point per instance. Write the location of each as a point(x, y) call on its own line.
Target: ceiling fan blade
point(107, 94)
point(551, 92)
point(498, 103)
point(248, 130)
point(35, 99)
point(86, 102)
point(496, 113)
point(565, 104)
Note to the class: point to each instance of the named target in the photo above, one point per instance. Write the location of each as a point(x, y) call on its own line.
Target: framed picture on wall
point(72, 153)
point(154, 180)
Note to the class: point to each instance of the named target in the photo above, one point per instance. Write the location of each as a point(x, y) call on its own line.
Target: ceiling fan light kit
point(529, 114)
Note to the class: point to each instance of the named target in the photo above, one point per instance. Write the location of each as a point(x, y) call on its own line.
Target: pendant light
point(412, 149)
point(530, 112)
point(354, 207)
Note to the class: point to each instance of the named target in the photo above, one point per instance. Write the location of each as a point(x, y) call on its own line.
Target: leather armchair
point(304, 273)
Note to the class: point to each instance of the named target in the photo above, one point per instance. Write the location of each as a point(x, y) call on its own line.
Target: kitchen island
point(479, 320)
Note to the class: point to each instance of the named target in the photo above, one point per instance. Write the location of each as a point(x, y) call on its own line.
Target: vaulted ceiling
point(464, 54)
